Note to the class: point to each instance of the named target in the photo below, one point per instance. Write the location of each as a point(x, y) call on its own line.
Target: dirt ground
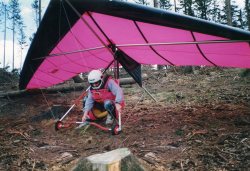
point(200, 121)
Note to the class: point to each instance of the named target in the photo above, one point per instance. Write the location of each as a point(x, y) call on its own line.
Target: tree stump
point(116, 160)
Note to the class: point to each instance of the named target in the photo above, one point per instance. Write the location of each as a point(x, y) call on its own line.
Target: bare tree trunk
point(40, 11)
point(156, 3)
point(247, 6)
point(13, 45)
point(246, 72)
point(229, 12)
point(5, 20)
point(175, 8)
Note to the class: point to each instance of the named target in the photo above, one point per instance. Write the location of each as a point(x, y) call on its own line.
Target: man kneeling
point(105, 98)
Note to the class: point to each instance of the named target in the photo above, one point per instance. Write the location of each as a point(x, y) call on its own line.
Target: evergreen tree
point(203, 8)
point(229, 13)
point(1, 12)
point(238, 21)
point(215, 12)
point(187, 6)
point(236, 15)
point(17, 24)
point(143, 2)
point(3, 21)
point(1, 24)
point(35, 7)
point(165, 4)
point(247, 10)
point(21, 39)
point(246, 72)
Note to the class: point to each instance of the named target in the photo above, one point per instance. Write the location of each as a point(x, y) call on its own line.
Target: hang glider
point(76, 36)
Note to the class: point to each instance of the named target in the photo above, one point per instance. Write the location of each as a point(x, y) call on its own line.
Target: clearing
point(200, 122)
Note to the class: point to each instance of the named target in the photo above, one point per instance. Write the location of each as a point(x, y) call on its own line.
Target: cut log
point(60, 88)
point(116, 160)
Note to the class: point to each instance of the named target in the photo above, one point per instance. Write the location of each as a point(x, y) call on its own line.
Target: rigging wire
point(78, 44)
point(76, 40)
point(36, 79)
point(43, 94)
point(87, 24)
point(75, 37)
point(70, 52)
point(59, 22)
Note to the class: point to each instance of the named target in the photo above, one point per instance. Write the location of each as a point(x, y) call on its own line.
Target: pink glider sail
point(87, 44)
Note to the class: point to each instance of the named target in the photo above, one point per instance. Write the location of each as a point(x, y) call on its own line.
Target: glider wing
point(76, 36)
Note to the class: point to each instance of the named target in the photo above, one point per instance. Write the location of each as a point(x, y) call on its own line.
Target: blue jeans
point(110, 107)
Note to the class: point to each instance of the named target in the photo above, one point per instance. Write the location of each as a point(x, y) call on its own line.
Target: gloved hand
point(118, 107)
point(85, 116)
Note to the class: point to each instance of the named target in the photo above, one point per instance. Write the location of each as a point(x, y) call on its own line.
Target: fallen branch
point(23, 134)
point(59, 88)
point(21, 93)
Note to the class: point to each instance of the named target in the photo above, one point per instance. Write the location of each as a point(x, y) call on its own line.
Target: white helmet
point(95, 79)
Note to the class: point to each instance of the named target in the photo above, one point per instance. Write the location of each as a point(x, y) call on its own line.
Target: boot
point(109, 120)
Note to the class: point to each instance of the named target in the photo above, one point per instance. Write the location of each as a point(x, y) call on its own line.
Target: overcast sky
point(28, 16)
